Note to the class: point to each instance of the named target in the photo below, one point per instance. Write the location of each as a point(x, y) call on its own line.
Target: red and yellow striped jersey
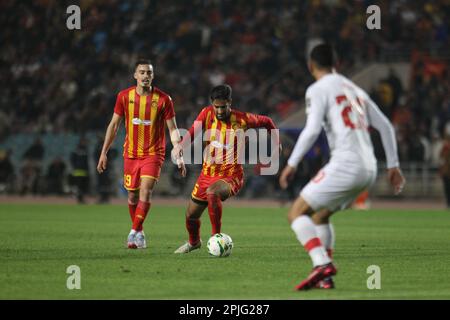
point(145, 118)
point(222, 140)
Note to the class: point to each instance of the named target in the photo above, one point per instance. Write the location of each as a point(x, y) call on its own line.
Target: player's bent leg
point(299, 208)
point(193, 214)
point(216, 193)
point(304, 228)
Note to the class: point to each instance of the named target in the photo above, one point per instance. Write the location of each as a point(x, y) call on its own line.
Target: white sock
point(325, 232)
point(305, 231)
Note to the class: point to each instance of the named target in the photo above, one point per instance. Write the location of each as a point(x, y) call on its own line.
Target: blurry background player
point(145, 109)
point(79, 160)
point(345, 111)
point(221, 176)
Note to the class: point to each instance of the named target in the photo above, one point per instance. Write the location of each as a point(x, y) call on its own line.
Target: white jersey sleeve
point(379, 121)
point(315, 110)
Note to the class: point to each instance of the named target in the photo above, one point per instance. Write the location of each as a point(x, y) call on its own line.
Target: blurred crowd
point(57, 80)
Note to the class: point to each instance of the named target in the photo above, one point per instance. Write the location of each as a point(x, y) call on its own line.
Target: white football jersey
point(345, 112)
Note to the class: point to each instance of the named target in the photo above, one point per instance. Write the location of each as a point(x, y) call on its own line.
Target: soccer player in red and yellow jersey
point(222, 173)
point(145, 109)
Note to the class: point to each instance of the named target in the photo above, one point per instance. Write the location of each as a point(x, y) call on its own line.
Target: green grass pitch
point(39, 242)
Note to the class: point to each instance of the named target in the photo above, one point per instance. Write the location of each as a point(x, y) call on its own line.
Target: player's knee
point(294, 214)
point(133, 198)
point(146, 193)
point(212, 191)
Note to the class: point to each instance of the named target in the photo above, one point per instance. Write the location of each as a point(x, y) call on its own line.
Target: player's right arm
point(110, 135)
point(111, 131)
point(379, 121)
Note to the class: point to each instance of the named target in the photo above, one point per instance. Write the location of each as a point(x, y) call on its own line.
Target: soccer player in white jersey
point(345, 111)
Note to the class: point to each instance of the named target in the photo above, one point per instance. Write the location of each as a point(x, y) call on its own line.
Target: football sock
point(132, 210)
point(325, 232)
point(305, 231)
point(215, 212)
point(193, 227)
point(140, 215)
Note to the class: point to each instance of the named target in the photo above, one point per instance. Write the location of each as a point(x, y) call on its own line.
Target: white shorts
point(337, 185)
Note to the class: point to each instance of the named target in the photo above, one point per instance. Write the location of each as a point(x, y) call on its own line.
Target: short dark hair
point(141, 61)
point(222, 92)
point(323, 55)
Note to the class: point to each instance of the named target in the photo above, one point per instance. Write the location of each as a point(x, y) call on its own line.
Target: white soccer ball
point(220, 245)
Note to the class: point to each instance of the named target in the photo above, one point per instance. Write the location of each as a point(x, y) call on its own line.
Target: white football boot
point(140, 240)
point(187, 247)
point(131, 241)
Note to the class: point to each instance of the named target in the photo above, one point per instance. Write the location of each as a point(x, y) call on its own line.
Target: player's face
point(144, 75)
point(222, 109)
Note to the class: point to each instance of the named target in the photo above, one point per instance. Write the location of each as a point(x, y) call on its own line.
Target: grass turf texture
point(38, 243)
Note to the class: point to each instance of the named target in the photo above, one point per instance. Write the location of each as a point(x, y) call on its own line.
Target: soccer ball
point(220, 245)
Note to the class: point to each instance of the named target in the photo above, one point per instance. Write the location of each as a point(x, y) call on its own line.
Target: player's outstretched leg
point(193, 223)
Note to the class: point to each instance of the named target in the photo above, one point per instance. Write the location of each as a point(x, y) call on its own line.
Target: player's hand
point(177, 152)
point(286, 176)
point(181, 167)
point(396, 179)
point(102, 162)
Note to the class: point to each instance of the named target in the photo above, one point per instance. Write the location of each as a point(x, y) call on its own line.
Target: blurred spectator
point(56, 176)
point(257, 185)
point(30, 173)
point(80, 170)
point(6, 172)
point(29, 180)
point(105, 181)
point(178, 183)
point(35, 152)
point(396, 85)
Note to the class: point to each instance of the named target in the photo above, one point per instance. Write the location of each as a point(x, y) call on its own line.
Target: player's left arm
point(175, 138)
point(260, 121)
point(380, 122)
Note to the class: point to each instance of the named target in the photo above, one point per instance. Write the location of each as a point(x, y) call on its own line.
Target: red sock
point(215, 212)
point(132, 210)
point(193, 227)
point(140, 215)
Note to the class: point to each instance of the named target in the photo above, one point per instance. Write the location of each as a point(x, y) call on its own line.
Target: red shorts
point(235, 184)
point(135, 169)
